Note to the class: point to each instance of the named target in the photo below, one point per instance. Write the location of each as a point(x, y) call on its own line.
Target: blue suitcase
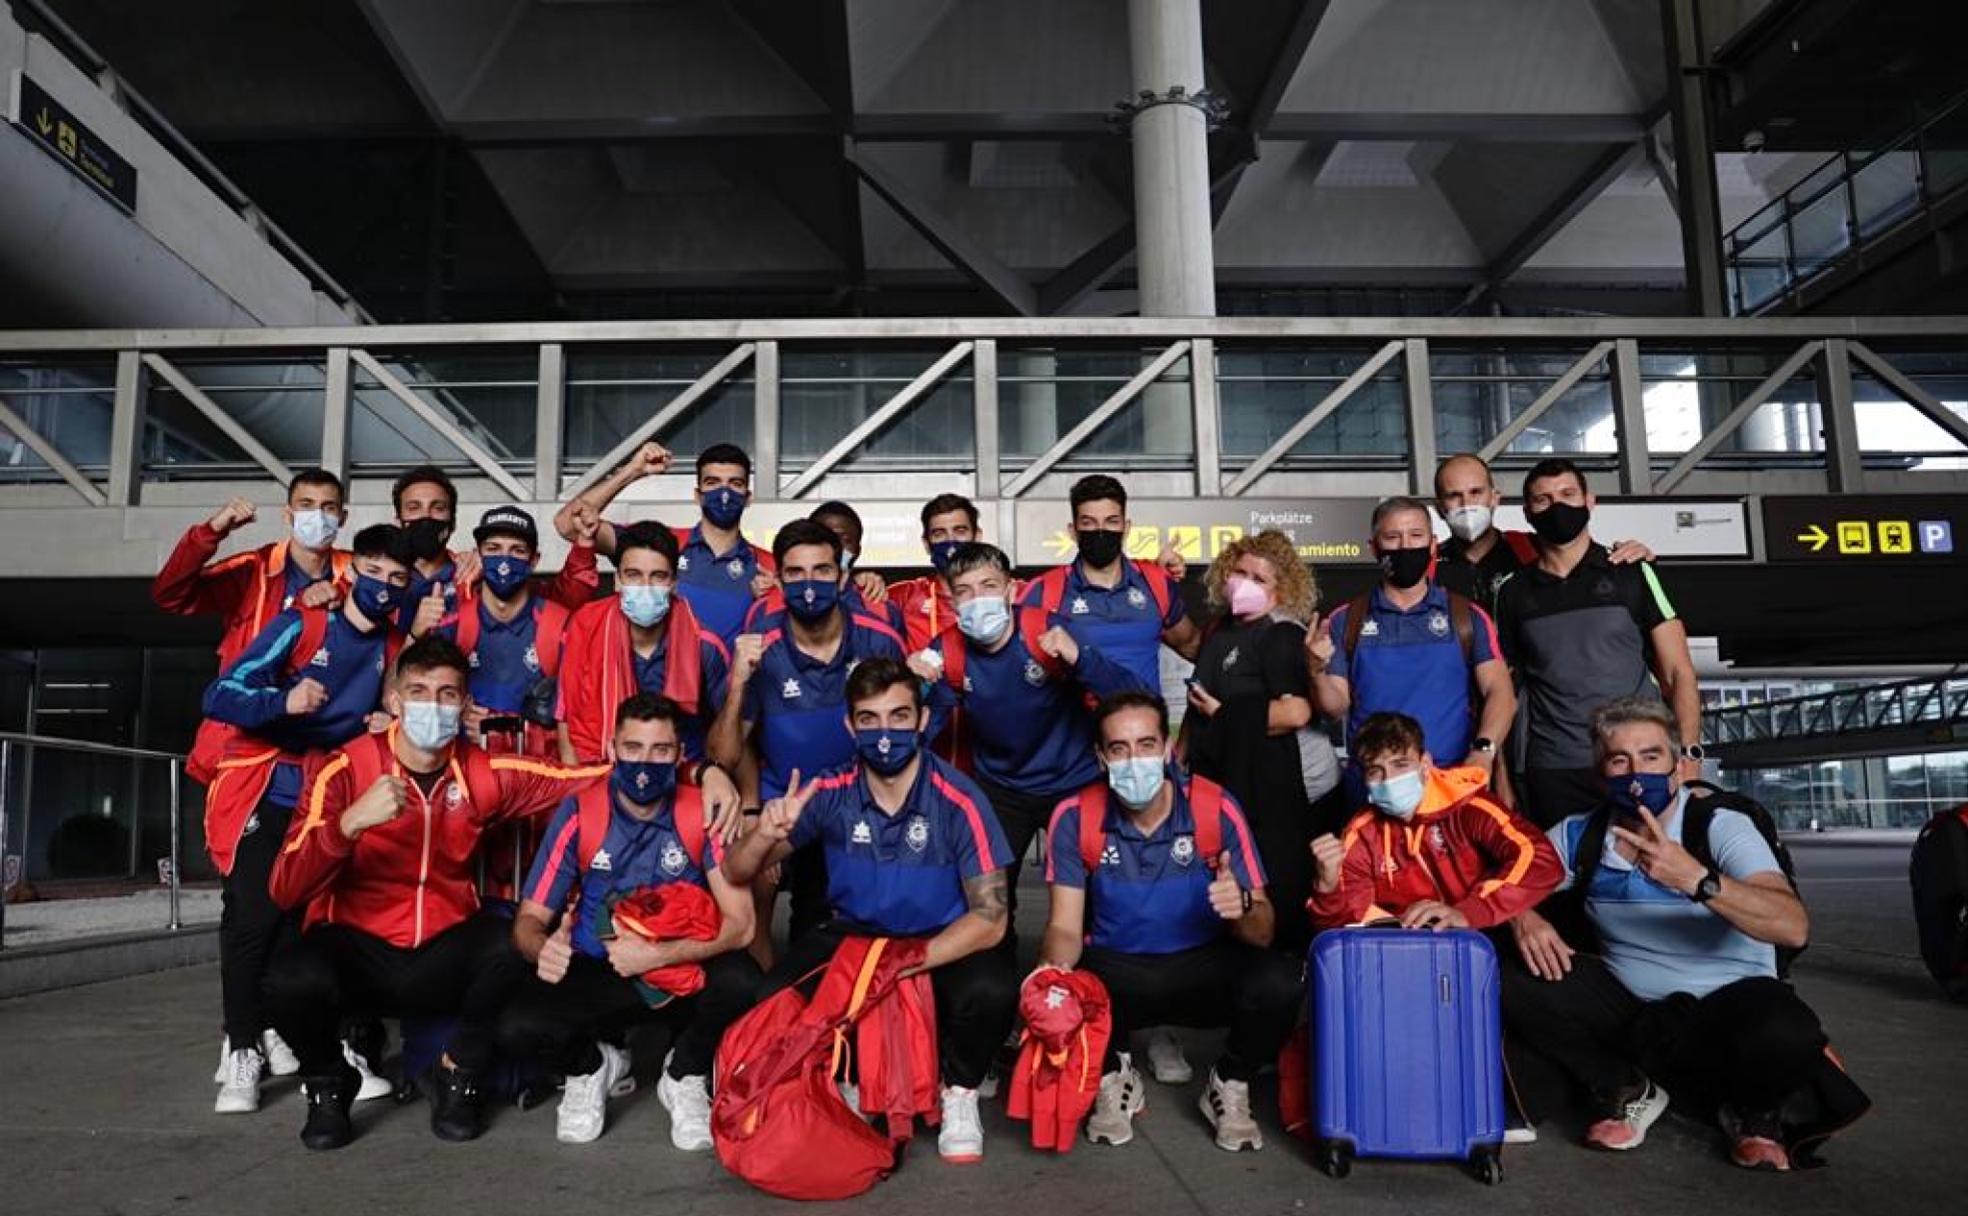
point(1408, 1048)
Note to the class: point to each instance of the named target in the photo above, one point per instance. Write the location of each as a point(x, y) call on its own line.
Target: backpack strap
point(955, 653)
point(1591, 844)
point(688, 812)
point(365, 757)
point(1052, 590)
point(481, 782)
point(1093, 826)
point(591, 808)
point(1206, 804)
point(1160, 586)
point(314, 631)
point(1356, 620)
point(1465, 627)
point(549, 627)
point(1522, 547)
point(1032, 625)
point(468, 623)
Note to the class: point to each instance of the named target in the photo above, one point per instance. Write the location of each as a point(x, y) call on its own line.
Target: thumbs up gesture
point(558, 951)
point(1227, 897)
point(430, 612)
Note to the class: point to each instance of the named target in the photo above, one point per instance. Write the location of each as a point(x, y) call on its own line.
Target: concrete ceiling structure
point(485, 159)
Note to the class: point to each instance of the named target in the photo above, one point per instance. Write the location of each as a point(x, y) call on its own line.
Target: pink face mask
point(1247, 596)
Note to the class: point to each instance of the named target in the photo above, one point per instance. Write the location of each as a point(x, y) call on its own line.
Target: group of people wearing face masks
point(399, 729)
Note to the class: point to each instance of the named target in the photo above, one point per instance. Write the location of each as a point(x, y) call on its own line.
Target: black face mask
point(1405, 567)
point(1099, 547)
point(1560, 523)
point(425, 538)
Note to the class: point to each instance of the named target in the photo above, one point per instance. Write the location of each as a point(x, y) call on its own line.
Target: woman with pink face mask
point(1251, 722)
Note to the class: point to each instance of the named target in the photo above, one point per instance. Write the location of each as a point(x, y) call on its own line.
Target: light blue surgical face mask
point(1137, 779)
point(1397, 796)
point(430, 726)
point(985, 618)
point(315, 529)
point(646, 604)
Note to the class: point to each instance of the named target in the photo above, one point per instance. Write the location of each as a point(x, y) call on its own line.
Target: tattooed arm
point(981, 928)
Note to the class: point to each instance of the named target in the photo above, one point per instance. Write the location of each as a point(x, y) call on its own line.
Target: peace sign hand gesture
point(1659, 858)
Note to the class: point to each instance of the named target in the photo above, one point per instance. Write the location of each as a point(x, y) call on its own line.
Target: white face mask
point(429, 725)
point(315, 529)
point(1468, 523)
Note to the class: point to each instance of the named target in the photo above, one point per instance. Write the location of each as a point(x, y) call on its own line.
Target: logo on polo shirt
point(1079, 607)
point(861, 834)
point(967, 685)
point(1370, 629)
point(917, 833)
point(1230, 660)
point(601, 861)
point(531, 658)
point(683, 562)
point(673, 859)
point(320, 658)
point(1034, 674)
point(1136, 599)
point(1110, 856)
point(791, 691)
point(736, 569)
point(1183, 851)
point(1438, 624)
point(472, 659)
point(1604, 589)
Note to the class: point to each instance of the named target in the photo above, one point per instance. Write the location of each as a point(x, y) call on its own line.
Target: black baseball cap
point(507, 521)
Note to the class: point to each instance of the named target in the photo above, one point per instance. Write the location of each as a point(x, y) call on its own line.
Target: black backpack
point(1698, 813)
point(1938, 870)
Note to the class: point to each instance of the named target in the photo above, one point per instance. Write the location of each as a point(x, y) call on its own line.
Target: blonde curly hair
point(1298, 587)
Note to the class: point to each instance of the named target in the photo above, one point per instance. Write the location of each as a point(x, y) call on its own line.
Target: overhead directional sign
point(62, 135)
point(1865, 527)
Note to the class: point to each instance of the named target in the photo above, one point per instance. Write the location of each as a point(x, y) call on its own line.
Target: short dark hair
point(1384, 734)
point(382, 540)
point(724, 453)
point(1397, 504)
point(431, 653)
point(317, 476)
point(943, 504)
point(834, 508)
point(1097, 487)
point(1121, 702)
point(1553, 466)
point(804, 532)
point(421, 475)
point(976, 555)
point(877, 676)
point(648, 707)
point(646, 534)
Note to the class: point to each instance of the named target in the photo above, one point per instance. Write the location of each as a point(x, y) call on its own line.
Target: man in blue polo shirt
point(588, 983)
point(1020, 686)
point(1413, 647)
point(788, 699)
point(1176, 934)
point(912, 851)
point(1124, 609)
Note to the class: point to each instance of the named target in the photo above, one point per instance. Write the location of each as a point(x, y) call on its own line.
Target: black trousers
point(469, 971)
point(252, 928)
point(1748, 1044)
point(976, 999)
point(1256, 993)
point(1550, 795)
point(1022, 816)
point(559, 1024)
point(804, 876)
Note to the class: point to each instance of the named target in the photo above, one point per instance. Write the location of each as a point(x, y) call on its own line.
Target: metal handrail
point(1819, 713)
point(10, 739)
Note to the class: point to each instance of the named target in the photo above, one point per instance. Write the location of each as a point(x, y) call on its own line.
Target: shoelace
point(1632, 1111)
point(1233, 1100)
point(244, 1071)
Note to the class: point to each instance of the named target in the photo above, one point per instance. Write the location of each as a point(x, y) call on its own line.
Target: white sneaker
point(280, 1058)
point(1122, 1096)
point(371, 1086)
point(584, 1102)
point(239, 1092)
point(225, 1061)
point(688, 1099)
point(961, 1139)
point(987, 1089)
point(1226, 1104)
point(1165, 1058)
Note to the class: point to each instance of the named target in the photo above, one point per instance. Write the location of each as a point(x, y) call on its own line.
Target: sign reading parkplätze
point(1865, 527)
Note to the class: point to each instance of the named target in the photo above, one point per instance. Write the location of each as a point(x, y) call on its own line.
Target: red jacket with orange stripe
point(1462, 848)
point(247, 589)
point(410, 879)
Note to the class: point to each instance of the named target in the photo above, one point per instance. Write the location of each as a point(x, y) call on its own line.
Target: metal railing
point(12, 748)
point(1839, 712)
point(1851, 200)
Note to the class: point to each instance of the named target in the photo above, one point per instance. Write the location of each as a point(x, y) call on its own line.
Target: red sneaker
point(1624, 1126)
point(1755, 1142)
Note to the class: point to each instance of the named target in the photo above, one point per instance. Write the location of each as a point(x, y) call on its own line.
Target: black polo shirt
point(1478, 581)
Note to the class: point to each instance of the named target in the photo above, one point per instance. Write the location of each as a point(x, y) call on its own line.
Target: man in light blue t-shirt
point(1685, 986)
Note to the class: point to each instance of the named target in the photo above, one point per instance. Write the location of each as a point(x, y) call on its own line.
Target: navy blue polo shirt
point(717, 586)
point(634, 854)
point(420, 586)
point(800, 702)
point(902, 875)
point(506, 662)
point(714, 671)
point(1123, 622)
point(1149, 893)
point(1412, 663)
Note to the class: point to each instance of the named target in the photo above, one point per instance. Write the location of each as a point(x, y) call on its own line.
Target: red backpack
point(214, 738)
point(1205, 803)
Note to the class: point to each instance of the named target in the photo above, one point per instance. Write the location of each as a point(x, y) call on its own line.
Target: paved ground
point(105, 1099)
point(61, 920)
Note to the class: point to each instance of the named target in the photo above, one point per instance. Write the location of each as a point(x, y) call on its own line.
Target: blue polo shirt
point(717, 586)
point(1123, 622)
point(1149, 893)
point(635, 854)
point(1029, 729)
point(800, 703)
point(714, 670)
point(505, 663)
point(902, 875)
point(420, 587)
point(1412, 663)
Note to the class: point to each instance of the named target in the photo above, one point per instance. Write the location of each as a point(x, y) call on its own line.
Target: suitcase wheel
point(1486, 1163)
point(1336, 1158)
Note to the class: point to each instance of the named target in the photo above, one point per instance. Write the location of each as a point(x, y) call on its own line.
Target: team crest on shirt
point(1370, 629)
point(601, 861)
point(1438, 624)
point(454, 796)
point(861, 834)
point(736, 569)
point(472, 660)
point(683, 562)
point(1438, 839)
point(1230, 660)
point(1183, 851)
point(1110, 856)
point(320, 658)
point(1079, 607)
point(1604, 588)
point(917, 833)
point(1136, 599)
point(967, 685)
point(673, 859)
point(791, 690)
point(1034, 674)
point(531, 658)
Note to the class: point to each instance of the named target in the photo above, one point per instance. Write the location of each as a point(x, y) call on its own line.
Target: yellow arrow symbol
point(1062, 544)
point(45, 123)
point(1814, 536)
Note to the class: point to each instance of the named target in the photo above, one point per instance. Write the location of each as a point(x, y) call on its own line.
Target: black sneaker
point(328, 1103)
point(457, 1104)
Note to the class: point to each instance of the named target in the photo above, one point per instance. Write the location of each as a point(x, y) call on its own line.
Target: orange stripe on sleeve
point(317, 801)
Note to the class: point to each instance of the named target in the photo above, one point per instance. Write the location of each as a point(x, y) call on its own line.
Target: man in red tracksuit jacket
point(1432, 848)
point(382, 853)
point(249, 589)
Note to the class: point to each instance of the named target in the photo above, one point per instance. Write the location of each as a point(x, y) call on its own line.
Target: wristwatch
point(1694, 751)
point(1482, 745)
point(1708, 888)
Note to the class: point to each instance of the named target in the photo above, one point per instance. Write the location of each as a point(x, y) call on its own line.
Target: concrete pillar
point(1694, 159)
